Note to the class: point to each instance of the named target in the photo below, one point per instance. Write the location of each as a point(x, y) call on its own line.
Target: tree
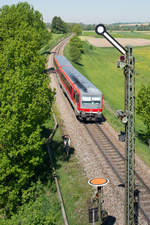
point(75, 54)
point(58, 26)
point(143, 107)
point(77, 29)
point(25, 101)
point(76, 41)
point(75, 49)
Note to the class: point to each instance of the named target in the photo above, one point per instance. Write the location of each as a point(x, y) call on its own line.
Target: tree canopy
point(25, 101)
point(75, 49)
point(77, 29)
point(58, 26)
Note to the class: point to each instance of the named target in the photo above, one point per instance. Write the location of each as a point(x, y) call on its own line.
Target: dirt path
point(101, 42)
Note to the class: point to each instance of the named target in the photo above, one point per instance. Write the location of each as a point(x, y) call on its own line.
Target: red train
point(85, 98)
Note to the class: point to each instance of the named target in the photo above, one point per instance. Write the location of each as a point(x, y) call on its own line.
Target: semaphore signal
point(101, 30)
point(127, 61)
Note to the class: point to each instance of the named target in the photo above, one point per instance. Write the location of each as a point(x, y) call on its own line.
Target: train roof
point(82, 83)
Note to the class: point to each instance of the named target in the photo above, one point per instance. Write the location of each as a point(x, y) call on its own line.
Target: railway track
point(116, 162)
point(59, 48)
point(114, 158)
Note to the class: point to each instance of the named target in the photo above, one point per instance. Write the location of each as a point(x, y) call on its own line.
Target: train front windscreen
point(90, 102)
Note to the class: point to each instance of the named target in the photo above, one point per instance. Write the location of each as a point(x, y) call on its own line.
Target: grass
point(99, 66)
point(120, 34)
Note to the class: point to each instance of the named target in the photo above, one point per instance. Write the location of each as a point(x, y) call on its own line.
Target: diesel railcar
point(85, 98)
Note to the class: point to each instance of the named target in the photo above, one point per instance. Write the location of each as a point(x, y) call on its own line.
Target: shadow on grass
point(58, 154)
point(46, 132)
point(79, 64)
point(142, 136)
point(49, 70)
point(109, 220)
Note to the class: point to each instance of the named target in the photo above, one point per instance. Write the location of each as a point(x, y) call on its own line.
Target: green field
point(120, 34)
point(99, 66)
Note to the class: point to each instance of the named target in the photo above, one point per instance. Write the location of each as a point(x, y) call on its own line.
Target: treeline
point(58, 26)
point(119, 27)
point(136, 27)
point(25, 103)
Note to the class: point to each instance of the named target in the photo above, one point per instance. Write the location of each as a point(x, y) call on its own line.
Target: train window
point(96, 102)
point(77, 97)
point(67, 84)
point(90, 102)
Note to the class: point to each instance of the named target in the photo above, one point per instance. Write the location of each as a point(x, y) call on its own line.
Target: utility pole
point(127, 62)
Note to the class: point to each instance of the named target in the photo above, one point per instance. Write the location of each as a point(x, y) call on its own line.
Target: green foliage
point(23, 22)
point(76, 41)
point(143, 106)
point(86, 47)
point(75, 49)
point(43, 208)
point(25, 101)
point(58, 26)
point(75, 54)
point(77, 29)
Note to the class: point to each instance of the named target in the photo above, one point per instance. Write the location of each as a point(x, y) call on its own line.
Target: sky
point(91, 11)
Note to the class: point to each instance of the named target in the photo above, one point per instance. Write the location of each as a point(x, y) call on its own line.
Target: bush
point(75, 49)
point(143, 107)
point(75, 54)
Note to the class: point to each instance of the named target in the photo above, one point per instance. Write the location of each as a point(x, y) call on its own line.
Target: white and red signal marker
point(98, 182)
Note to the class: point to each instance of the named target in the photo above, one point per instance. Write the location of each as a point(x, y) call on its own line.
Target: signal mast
point(127, 62)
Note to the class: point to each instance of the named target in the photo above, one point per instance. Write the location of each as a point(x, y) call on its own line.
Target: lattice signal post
point(130, 135)
point(127, 62)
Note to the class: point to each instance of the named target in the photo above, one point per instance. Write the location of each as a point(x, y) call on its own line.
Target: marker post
point(99, 183)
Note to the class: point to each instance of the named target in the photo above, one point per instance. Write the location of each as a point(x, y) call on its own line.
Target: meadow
point(120, 34)
point(100, 66)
